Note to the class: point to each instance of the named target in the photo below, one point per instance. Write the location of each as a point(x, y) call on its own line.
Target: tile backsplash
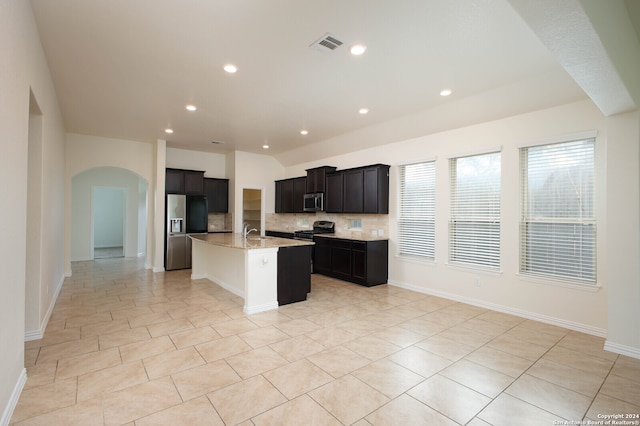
point(220, 222)
point(371, 224)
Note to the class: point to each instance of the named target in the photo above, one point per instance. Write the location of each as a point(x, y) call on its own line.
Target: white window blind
point(416, 225)
point(474, 226)
point(558, 226)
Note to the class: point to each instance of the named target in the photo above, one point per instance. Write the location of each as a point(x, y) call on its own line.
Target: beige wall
point(213, 165)
point(23, 68)
point(622, 231)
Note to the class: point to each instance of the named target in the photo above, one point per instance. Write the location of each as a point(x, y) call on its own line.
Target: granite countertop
point(253, 241)
point(359, 237)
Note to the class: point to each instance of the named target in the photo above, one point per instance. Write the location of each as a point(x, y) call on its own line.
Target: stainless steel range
point(319, 227)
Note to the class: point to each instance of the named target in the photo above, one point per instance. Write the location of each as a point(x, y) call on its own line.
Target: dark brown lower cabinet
point(360, 262)
point(341, 260)
point(322, 257)
point(294, 274)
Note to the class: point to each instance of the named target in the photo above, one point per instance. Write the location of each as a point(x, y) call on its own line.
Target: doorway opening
point(136, 223)
point(36, 292)
point(252, 209)
point(109, 207)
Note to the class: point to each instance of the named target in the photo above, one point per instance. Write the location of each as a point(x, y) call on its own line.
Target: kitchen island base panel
point(250, 274)
point(294, 274)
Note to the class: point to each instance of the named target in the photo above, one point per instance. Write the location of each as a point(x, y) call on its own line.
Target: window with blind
point(558, 226)
point(416, 225)
point(474, 225)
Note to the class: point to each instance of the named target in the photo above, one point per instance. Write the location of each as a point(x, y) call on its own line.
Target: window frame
point(422, 246)
point(525, 268)
point(465, 250)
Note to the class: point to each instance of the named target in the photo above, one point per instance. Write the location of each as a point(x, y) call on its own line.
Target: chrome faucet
point(246, 231)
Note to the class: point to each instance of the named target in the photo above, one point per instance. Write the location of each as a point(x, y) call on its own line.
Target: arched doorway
point(85, 208)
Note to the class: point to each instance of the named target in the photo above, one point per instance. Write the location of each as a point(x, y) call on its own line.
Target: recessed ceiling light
point(358, 49)
point(446, 92)
point(191, 107)
point(230, 68)
point(265, 146)
point(168, 131)
point(304, 132)
point(363, 111)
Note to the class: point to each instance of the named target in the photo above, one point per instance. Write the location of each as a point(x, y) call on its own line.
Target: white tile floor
point(126, 346)
point(108, 252)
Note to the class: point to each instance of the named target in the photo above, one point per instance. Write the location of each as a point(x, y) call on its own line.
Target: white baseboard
point(583, 328)
point(160, 269)
point(39, 333)
point(221, 283)
point(622, 349)
point(199, 276)
point(13, 399)
point(247, 310)
point(33, 335)
point(261, 308)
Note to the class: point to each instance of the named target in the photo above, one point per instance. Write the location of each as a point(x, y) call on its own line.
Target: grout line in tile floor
point(125, 346)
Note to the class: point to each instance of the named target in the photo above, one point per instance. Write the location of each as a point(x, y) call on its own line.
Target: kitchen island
point(265, 271)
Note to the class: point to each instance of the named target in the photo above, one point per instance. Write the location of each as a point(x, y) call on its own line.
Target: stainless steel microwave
point(314, 202)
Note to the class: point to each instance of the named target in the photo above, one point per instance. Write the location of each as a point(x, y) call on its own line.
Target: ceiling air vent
point(326, 43)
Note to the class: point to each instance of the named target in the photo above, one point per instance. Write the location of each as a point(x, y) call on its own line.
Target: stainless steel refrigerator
point(185, 215)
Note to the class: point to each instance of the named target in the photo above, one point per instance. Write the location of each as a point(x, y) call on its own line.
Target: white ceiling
point(126, 69)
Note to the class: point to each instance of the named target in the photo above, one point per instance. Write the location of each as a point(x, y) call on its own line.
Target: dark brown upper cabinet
point(217, 193)
point(358, 190)
point(193, 182)
point(179, 181)
point(299, 189)
point(290, 195)
point(376, 189)
point(174, 181)
point(353, 194)
point(333, 192)
point(316, 178)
